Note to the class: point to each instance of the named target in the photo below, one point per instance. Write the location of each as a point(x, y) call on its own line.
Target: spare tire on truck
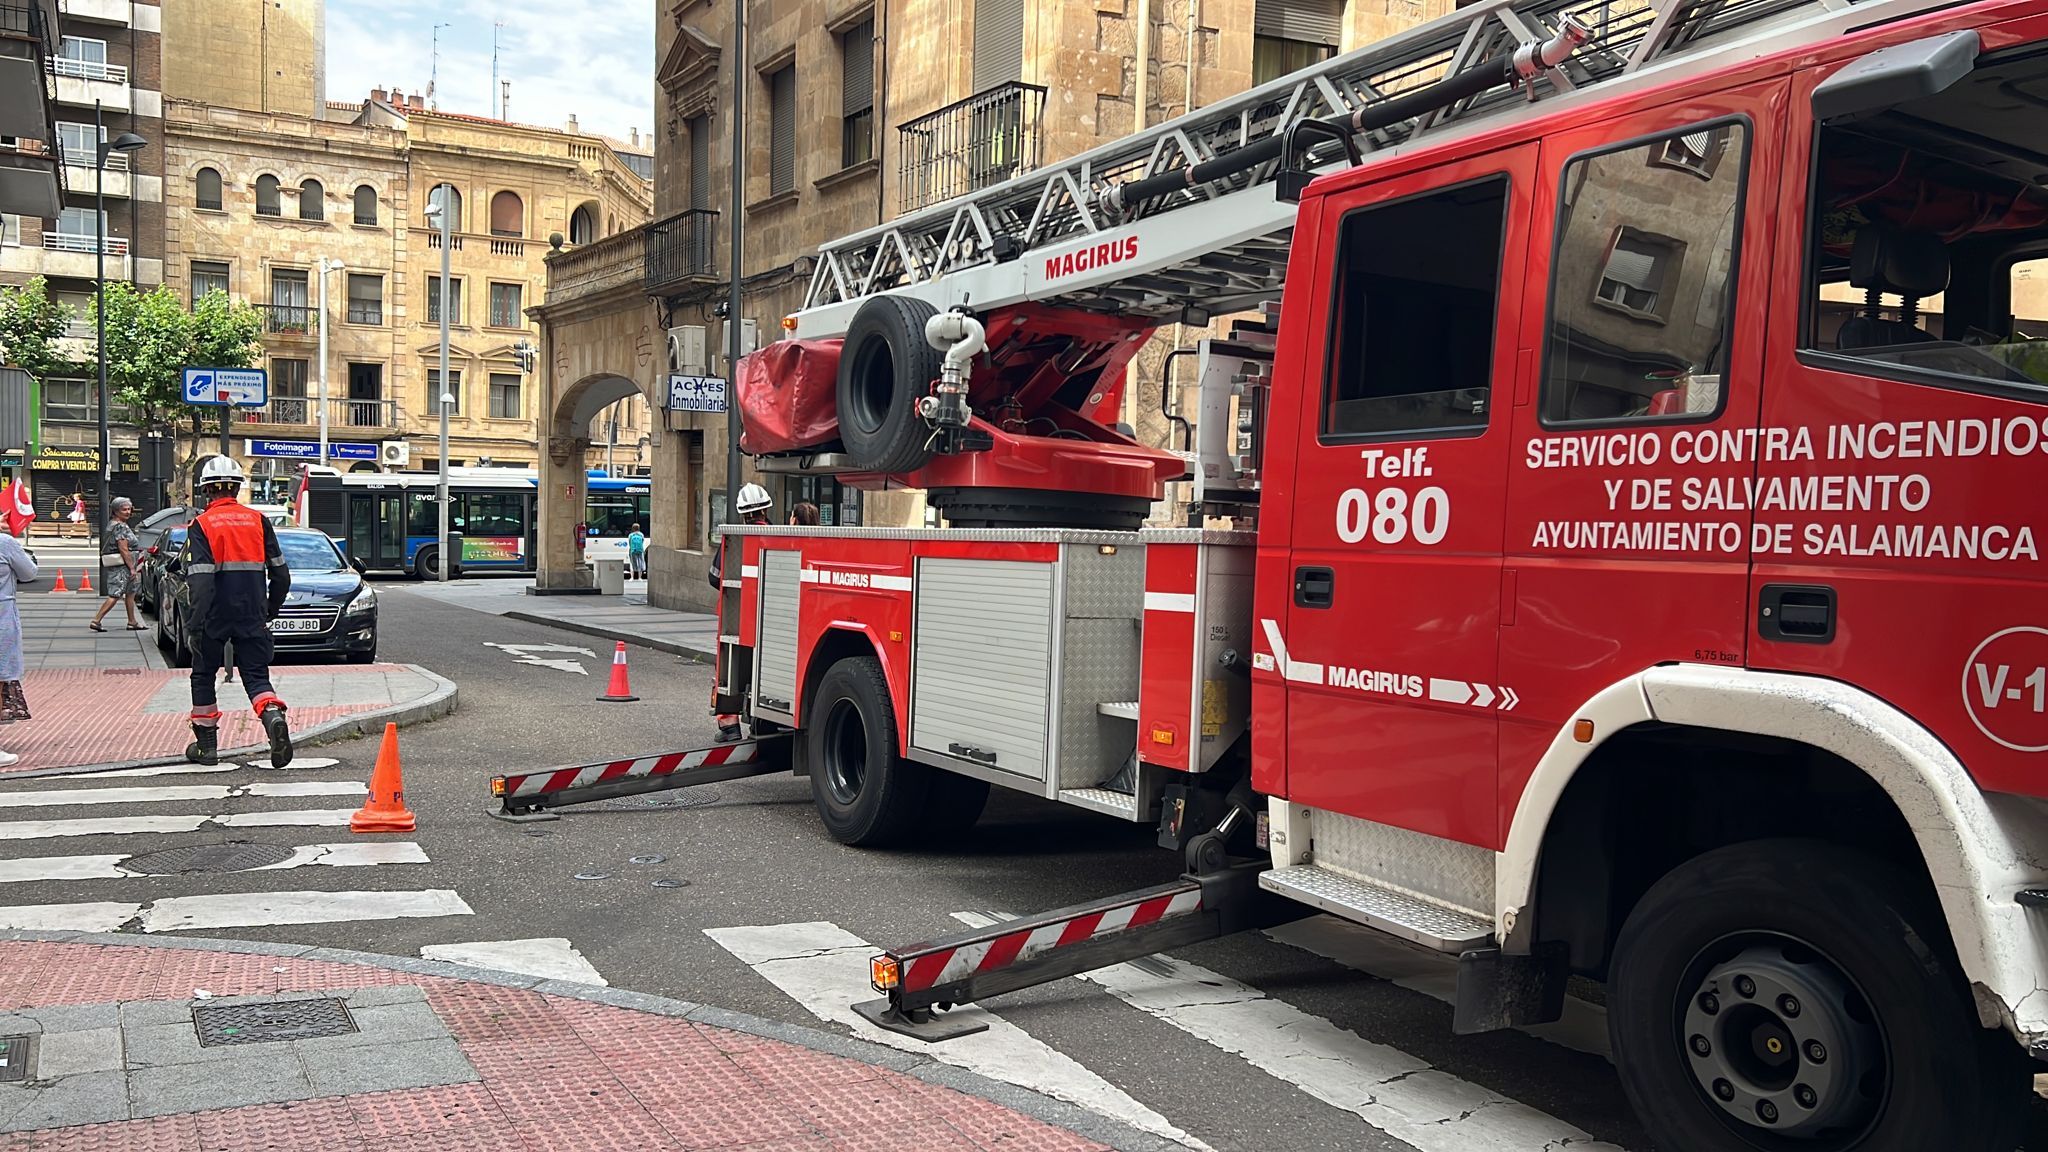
point(885, 365)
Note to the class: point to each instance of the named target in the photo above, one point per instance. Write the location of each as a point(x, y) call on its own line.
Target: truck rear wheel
point(865, 793)
point(885, 365)
point(1778, 995)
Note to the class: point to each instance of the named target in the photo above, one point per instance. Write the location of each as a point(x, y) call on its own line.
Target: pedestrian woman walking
point(119, 553)
point(15, 569)
point(77, 516)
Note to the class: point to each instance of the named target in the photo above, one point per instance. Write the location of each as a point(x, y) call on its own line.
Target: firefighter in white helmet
point(238, 580)
point(753, 504)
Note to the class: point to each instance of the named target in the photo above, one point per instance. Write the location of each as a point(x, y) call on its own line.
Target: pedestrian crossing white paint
point(296, 764)
point(158, 770)
point(350, 855)
point(128, 825)
point(1399, 1094)
point(157, 795)
point(261, 909)
point(101, 917)
point(553, 958)
point(825, 968)
point(1583, 1027)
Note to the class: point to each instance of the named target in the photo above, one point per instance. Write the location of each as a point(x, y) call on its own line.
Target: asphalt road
point(753, 854)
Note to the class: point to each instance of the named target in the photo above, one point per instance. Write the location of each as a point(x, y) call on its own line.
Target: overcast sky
point(590, 58)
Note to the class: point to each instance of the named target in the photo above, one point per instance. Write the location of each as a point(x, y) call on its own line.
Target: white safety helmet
point(754, 498)
point(221, 470)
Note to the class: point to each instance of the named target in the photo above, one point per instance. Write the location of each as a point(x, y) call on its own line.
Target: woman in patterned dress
point(120, 552)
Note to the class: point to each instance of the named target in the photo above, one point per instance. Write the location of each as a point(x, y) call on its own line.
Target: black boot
point(728, 733)
point(280, 735)
point(205, 745)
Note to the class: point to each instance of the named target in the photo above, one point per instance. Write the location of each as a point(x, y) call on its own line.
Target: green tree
point(152, 339)
point(31, 323)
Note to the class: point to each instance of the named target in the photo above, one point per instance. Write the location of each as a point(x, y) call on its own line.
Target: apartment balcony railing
point(88, 70)
point(970, 145)
point(75, 242)
point(678, 249)
point(82, 158)
point(289, 319)
point(304, 412)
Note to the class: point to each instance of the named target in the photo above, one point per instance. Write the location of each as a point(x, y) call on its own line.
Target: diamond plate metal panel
point(220, 1025)
point(1121, 804)
point(1102, 606)
point(1456, 873)
point(1393, 912)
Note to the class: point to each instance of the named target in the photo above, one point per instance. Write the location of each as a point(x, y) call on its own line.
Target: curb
point(436, 704)
point(1036, 1105)
point(672, 647)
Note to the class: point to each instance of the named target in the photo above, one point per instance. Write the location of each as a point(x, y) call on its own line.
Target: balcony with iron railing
point(298, 412)
point(86, 83)
point(289, 319)
point(969, 145)
point(85, 242)
point(679, 250)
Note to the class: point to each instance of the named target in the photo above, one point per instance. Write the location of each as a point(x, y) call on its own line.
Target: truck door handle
point(1314, 587)
point(1801, 613)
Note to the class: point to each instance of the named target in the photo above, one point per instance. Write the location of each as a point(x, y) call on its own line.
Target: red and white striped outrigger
point(527, 795)
point(923, 980)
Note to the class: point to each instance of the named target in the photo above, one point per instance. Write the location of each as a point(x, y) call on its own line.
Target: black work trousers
point(252, 660)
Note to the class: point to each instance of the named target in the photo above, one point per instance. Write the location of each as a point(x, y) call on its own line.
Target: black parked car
point(149, 571)
point(331, 610)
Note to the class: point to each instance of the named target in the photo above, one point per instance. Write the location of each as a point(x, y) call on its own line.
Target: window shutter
point(700, 162)
point(782, 131)
point(1310, 21)
point(1638, 270)
point(998, 43)
point(858, 76)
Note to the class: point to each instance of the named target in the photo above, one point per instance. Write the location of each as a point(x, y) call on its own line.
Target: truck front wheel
point(865, 793)
point(1782, 995)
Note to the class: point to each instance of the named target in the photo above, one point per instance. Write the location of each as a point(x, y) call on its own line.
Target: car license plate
point(295, 624)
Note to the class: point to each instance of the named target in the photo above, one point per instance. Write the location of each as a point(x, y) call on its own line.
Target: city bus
point(387, 520)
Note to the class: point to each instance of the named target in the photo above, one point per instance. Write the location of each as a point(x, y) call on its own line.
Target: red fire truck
point(1613, 544)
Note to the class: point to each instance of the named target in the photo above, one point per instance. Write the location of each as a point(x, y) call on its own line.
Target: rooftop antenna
point(434, 75)
point(495, 29)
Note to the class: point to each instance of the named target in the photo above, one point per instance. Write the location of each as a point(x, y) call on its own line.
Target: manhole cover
point(224, 1024)
point(13, 1059)
point(232, 857)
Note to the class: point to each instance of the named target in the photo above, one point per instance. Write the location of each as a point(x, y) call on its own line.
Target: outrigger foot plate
point(933, 1026)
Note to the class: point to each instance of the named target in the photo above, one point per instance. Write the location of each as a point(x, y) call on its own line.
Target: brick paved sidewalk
point(445, 1059)
point(110, 717)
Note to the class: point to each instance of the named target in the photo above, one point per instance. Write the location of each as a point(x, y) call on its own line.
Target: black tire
point(865, 793)
point(1824, 918)
point(1022, 508)
point(953, 804)
point(885, 365)
point(426, 563)
point(163, 627)
point(181, 650)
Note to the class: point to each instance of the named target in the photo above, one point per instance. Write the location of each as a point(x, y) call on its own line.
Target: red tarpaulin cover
point(786, 396)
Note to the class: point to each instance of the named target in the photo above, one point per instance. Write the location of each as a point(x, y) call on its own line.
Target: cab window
point(1412, 326)
point(1928, 243)
point(1643, 279)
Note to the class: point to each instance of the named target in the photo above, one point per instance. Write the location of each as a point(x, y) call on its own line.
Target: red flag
point(18, 505)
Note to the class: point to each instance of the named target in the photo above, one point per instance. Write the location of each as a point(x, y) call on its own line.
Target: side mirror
point(356, 562)
point(1896, 75)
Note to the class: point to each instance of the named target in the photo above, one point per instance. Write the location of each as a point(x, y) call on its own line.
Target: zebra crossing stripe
point(262, 909)
point(349, 855)
point(1399, 1094)
point(129, 825)
point(825, 968)
point(552, 958)
point(157, 795)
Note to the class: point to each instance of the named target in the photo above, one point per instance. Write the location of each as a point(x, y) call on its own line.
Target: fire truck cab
point(1629, 568)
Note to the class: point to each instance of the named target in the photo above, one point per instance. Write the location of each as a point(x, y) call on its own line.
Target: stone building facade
point(264, 57)
point(859, 110)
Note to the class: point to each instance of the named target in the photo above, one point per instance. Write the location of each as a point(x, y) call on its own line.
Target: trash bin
point(611, 576)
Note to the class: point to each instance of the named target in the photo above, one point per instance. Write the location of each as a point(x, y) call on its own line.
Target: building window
point(505, 310)
point(312, 201)
point(508, 214)
point(454, 390)
point(81, 145)
point(1643, 280)
point(268, 201)
point(857, 99)
point(700, 161)
point(446, 193)
point(82, 226)
point(69, 400)
point(1289, 35)
point(782, 130)
point(998, 37)
point(434, 300)
point(582, 225)
point(1412, 329)
point(10, 230)
point(366, 204)
point(505, 396)
point(206, 189)
point(288, 392)
point(85, 58)
point(365, 298)
point(366, 407)
point(289, 302)
point(208, 276)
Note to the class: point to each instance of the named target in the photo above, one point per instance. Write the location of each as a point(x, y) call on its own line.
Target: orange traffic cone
point(385, 811)
point(60, 586)
point(85, 579)
point(619, 692)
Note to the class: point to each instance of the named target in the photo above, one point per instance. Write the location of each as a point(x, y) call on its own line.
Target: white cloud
point(590, 58)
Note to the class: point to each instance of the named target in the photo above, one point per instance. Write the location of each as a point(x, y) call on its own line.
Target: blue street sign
point(310, 450)
point(237, 387)
point(696, 394)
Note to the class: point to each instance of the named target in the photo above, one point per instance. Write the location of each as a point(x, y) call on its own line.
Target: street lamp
point(439, 215)
point(125, 143)
point(326, 266)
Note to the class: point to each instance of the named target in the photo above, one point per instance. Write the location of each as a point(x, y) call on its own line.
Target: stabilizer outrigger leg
point(919, 984)
point(533, 795)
